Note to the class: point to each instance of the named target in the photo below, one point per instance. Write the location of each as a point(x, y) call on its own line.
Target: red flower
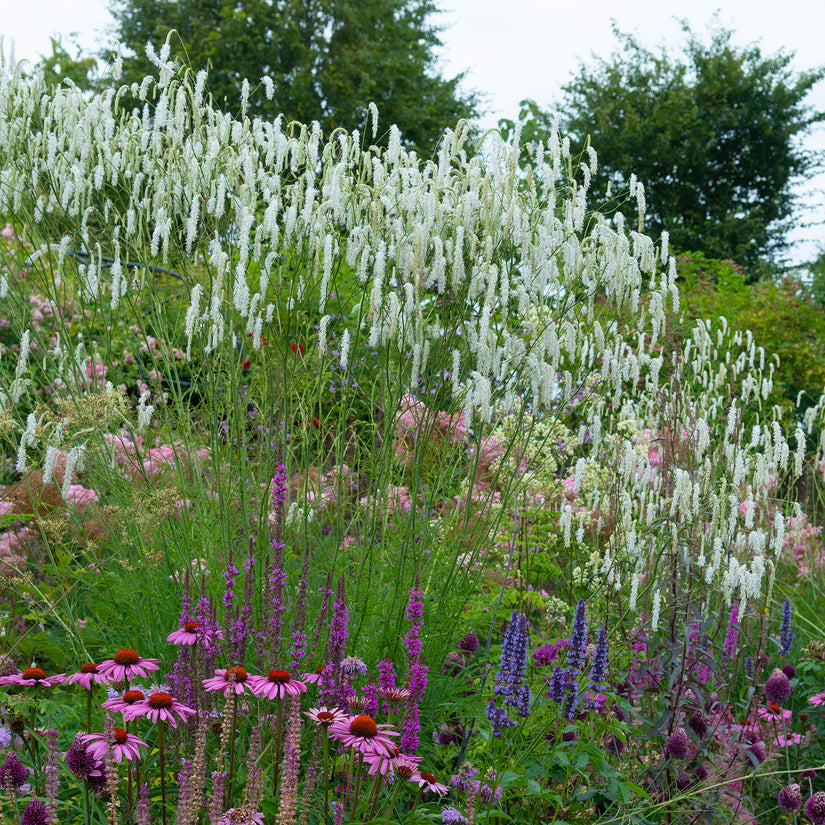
point(299, 348)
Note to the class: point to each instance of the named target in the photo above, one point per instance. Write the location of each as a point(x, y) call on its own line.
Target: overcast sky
point(515, 49)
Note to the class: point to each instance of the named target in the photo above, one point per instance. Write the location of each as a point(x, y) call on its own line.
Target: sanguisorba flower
point(325, 716)
point(233, 679)
point(193, 633)
point(88, 676)
point(160, 706)
point(363, 734)
point(125, 704)
point(124, 745)
point(126, 664)
point(276, 685)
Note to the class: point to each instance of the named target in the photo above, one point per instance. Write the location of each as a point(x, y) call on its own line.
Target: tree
point(60, 66)
point(713, 133)
point(328, 59)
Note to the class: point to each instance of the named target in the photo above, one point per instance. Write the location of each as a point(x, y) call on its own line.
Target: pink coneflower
point(238, 816)
point(363, 734)
point(277, 684)
point(325, 716)
point(221, 680)
point(427, 782)
point(124, 745)
point(774, 712)
point(160, 706)
point(33, 676)
point(193, 633)
point(87, 676)
point(818, 700)
point(786, 739)
point(126, 664)
point(314, 677)
point(125, 704)
point(396, 763)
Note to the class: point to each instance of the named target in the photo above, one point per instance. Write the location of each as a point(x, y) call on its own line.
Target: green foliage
point(782, 315)
point(712, 133)
point(328, 59)
point(60, 66)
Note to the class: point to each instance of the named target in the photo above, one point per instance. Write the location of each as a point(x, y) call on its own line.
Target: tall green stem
point(228, 791)
point(278, 744)
point(162, 743)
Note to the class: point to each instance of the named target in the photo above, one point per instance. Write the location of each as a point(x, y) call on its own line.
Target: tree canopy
point(713, 133)
point(327, 59)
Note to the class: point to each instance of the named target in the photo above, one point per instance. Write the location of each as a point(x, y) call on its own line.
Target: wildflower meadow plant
point(384, 465)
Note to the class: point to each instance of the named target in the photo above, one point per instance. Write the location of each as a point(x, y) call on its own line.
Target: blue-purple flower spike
point(599, 666)
point(578, 638)
point(510, 677)
point(786, 636)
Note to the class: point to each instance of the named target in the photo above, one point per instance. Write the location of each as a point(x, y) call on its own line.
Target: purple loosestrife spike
point(386, 679)
point(749, 667)
point(729, 647)
point(578, 638)
point(334, 689)
point(414, 614)
point(416, 672)
point(410, 726)
point(786, 635)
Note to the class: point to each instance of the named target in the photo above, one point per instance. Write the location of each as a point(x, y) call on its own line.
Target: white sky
point(515, 49)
